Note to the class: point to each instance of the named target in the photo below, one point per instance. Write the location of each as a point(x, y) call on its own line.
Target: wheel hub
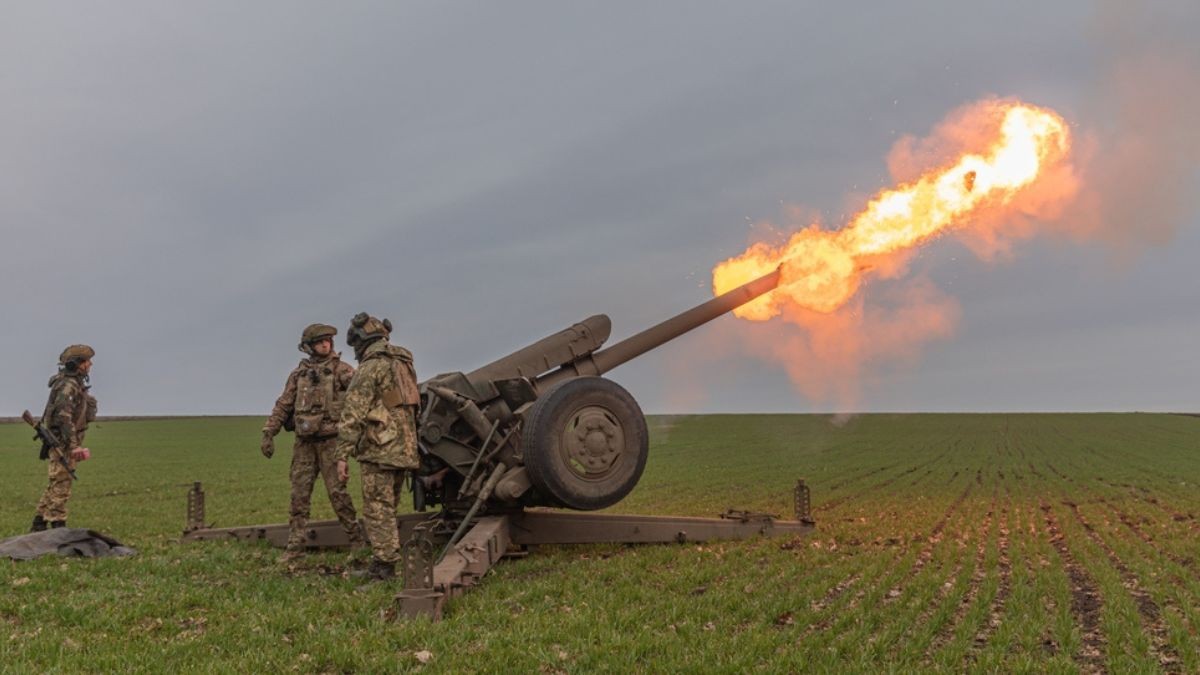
point(593, 441)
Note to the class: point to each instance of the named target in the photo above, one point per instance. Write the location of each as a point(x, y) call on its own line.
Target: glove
point(268, 444)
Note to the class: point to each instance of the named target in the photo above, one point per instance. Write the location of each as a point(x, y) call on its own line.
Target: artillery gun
point(539, 427)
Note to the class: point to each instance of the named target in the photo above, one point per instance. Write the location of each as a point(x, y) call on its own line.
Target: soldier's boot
point(58, 523)
point(39, 524)
point(378, 570)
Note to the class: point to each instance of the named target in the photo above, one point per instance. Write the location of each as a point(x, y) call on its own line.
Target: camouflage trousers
point(381, 493)
point(53, 504)
point(309, 458)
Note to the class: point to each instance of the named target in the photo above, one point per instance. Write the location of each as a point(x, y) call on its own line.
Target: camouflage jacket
point(379, 414)
point(69, 409)
point(304, 397)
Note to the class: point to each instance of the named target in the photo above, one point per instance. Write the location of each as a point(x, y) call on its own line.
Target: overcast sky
point(185, 186)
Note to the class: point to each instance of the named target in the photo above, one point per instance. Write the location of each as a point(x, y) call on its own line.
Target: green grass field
point(951, 543)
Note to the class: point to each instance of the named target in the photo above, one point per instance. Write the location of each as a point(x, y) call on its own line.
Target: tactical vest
point(85, 415)
point(318, 399)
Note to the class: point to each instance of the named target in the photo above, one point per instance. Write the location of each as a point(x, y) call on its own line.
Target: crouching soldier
point(310, 405)
point(68, 411)
point(378, 428)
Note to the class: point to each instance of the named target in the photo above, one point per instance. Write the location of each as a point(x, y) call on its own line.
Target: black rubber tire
point(556, 472)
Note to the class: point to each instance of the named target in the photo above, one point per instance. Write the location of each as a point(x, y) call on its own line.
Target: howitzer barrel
point(659, 334)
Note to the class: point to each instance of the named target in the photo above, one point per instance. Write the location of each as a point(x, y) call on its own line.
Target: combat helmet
point(72, 356)
point(365, 329)
point(315, 333)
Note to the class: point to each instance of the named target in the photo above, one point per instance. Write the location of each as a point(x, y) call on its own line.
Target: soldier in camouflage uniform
point(310, 405)
point(378, 428)
point(68, 411)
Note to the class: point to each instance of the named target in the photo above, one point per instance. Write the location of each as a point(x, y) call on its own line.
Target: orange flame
point(822, 269)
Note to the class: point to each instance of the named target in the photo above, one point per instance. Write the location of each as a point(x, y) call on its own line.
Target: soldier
point(379, 429)
point(68, 411)
point(310, 405)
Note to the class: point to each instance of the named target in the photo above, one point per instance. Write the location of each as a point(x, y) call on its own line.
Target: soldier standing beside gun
point(68, 411)
point(310, 405)
point(379, 429)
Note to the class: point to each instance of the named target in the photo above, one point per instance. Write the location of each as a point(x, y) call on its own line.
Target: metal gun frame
point(429, 582)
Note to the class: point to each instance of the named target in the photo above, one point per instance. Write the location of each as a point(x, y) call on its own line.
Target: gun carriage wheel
point(585, 443)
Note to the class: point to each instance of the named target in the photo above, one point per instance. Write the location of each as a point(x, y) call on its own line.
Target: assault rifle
point(50, 443)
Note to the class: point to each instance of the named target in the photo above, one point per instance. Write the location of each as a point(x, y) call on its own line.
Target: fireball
point(823, 269)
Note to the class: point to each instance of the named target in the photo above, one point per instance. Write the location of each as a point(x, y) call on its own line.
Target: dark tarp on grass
point(71, 542)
